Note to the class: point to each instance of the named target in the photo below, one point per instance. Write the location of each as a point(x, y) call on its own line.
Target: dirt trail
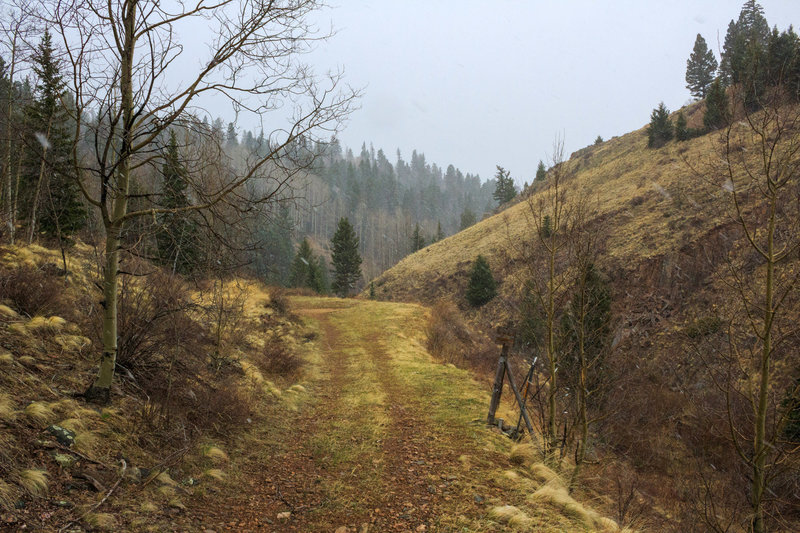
point(363, 452)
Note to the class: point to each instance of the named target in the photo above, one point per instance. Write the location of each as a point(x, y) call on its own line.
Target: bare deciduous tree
point(133, 79)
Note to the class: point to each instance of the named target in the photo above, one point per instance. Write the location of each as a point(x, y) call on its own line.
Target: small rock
point(64, 461)
point(422, 527)
point(63, 436)
point(63, 504)
point(431, 489)
point(341, 529)
point(284, 515)
point(478, 498)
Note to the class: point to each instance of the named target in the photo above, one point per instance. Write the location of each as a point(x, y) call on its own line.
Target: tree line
point(754, 57)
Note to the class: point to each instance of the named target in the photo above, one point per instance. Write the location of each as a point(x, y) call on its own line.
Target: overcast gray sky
point(481, 83)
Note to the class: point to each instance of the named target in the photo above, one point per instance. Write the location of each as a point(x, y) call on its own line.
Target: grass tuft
point(86, 441)
point(166, 491)
point(7, 412)
point(545, 475)
point(73, 424)
point(523, 454)
point(101, 521)
point(7, 312)
point(40, 413)
point(34, 482)
point(148, 507)
point(215, 473)
point(8, 495)
point(513, 516)
point(6, 358)
point(559, 498)
point(215, 453)
point(165, 479)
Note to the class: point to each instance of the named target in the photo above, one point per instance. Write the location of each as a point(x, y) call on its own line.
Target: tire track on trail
point(361, 453)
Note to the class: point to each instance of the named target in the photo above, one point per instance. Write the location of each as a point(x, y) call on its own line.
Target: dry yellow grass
point(215, 453)
point(8, 495)
point(40, 413)
point(215, 473)
point(101, 521)
point(7, 312)
point(34, 482)
point(631, 186)
point(523, 453)
point(7, 411)
point(6, 358)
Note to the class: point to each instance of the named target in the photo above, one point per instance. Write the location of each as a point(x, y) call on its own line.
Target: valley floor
point(382, 439)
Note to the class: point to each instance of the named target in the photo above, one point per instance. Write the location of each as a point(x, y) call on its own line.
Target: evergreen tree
point(439, 233)
point(53, 194)
point(660, 130)
point(598, 140)
point(231, 137)
point(417, 240)
point(700, 68)
point(482, 286)
point(541, 172)
point(301, 271)
point(177, 234)
point(681, 130)
point(273, 250)
point(505, 191)
point(345, 258)
point(371, 290)
point(716, 114)
point(468, 218)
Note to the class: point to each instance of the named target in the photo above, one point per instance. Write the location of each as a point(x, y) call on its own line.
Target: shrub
point(33, 291)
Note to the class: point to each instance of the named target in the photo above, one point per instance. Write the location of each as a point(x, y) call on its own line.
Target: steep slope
point(632, 188)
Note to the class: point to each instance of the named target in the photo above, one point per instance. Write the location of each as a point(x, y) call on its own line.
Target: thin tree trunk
point(9, 207)
point(38, 190)
point(759, 448)
point(100, 390)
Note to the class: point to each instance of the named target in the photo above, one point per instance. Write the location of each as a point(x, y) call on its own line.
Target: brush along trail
point(382, 438)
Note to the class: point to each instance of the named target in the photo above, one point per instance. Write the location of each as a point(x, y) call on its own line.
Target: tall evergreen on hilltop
point(177, 234)
point(505, 191)
point(541, 172)
point(745, 44)
point(52, 192)
point(700, 68)
point(660, 130)
point(345, 258)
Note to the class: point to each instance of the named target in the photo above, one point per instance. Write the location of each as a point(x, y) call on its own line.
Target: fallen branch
point(101, 502)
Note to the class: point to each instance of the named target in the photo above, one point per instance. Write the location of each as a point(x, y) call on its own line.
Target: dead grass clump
point(34, 482)
point(523, 453)
point(40, 413)
point(101, 521)
point(215, 453)
point(6, 358)
point(31, 291)
point(8, 495)
point(544, 474)
point(513, 516)
point(7, 411)
point(450, 339)
point(215, 473)
point(559, 498)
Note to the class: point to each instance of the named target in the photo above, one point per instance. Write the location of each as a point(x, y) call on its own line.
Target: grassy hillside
point(667, 240)
point(633, 188)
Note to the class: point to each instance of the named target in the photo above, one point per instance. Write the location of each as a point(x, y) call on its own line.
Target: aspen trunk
point(100, 390)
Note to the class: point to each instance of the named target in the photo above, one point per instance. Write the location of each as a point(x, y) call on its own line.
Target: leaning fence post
point(497, 390)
